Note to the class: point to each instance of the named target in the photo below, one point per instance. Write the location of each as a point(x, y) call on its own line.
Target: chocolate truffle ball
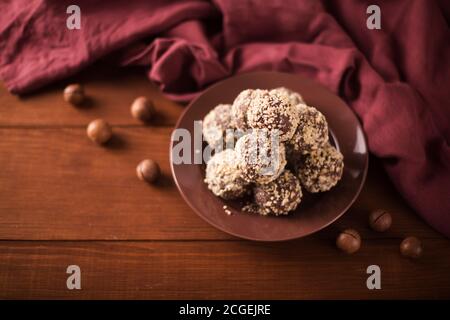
point(321, 169)
point(272, 111)
point(223, 176)
point(261, 156)
point(240, 107)
point(311, 132)
point(294, 97)
point(218, 127)
point(280, 196)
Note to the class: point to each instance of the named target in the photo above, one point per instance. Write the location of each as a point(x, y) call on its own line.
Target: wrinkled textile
point(396, 79)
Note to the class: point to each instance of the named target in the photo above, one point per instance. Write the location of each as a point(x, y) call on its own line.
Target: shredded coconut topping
point(312, 130)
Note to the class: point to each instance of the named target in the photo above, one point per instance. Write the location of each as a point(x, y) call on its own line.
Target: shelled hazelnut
point(349, 241)
point(380, 220)
point(74, 94)
point(148, 170)
point(99, 131)
point(411, 247)
point(142, 109)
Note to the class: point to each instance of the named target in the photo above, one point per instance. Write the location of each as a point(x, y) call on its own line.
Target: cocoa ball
point(380, 220)
point(273, 111)
point(99, 131)
point(349, 241)
point(74, 94)
point(294, 97)
point(142, 109)
point(218, 127)
point(261, 157)
point(148, 170)
point(280, 196)
point(411, 247)
point(240, 106)
point(321, 169)
point(311, 132)
point(223, 176)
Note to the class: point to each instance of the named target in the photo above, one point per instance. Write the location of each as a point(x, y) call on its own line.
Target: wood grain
point(64, 200)
point(55, 184)
point(60, 185)
point(304, 269)
point(110, 94)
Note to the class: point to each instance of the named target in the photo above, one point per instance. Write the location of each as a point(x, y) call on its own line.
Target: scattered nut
point(380, 220)
point(148, 170)
point(74, 94)
point(411, 247)
point(99, 131)
point(349, 241)
point(142, 109)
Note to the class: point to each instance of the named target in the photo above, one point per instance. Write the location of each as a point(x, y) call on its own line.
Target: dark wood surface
point(64, 201)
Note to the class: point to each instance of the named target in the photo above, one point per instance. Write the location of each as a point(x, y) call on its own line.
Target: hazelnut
point(148, 170)
point(99, 131)
point(74, 94)
point(349, 241)
point(380, 220)
point(411, 247)
point(142, 109)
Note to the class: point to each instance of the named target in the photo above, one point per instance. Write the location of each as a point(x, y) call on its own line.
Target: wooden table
point(65, 201)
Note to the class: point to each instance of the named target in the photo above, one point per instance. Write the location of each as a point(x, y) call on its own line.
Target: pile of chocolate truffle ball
point(269, 145)
point(100, 131)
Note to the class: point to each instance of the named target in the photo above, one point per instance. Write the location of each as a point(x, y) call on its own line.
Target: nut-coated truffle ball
point(261, 156)
point(280, 196)
point(74, 94)
point(142, 109)
point(272, 111)
point(321, 169)
point(240, 107)
point(311, 132)
point(99, 131)
point(218, 127)
point(294, 97)
point(224, 177)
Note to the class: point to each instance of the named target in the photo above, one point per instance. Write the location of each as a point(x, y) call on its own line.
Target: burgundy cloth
point(396, 79)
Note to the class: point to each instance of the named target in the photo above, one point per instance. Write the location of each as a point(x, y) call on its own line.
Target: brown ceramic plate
point(316, 211)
